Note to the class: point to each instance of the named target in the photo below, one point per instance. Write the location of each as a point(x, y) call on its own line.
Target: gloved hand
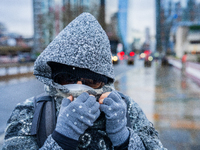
point(115, 110)
point(75, 118)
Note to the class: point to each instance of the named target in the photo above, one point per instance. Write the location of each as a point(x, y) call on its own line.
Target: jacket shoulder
point(20, 120)
point(137, 117)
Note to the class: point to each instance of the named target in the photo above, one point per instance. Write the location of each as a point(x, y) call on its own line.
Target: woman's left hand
point(114, 108)
point(103, 96)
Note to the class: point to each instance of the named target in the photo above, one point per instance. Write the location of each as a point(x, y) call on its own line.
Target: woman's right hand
point(77, 116)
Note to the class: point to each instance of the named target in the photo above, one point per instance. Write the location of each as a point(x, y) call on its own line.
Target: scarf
point(95, 137)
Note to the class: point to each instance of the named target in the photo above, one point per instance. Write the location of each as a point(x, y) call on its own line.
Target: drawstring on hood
point(84, 44)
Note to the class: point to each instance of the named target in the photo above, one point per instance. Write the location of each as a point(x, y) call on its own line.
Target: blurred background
point(155, 47)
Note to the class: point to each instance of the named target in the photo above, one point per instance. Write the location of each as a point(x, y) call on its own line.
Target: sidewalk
point(192, 69)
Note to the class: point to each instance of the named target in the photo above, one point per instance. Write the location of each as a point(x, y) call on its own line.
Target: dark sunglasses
point(67, 78)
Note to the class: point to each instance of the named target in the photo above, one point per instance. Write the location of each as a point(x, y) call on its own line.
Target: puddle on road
point(170, 100)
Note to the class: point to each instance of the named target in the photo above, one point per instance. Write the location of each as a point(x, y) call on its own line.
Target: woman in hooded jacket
point(77, 71)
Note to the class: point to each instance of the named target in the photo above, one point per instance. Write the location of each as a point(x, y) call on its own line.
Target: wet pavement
point(177, 109)
point(170, 100)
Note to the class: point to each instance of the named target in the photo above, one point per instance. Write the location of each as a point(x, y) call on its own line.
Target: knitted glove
point(115, 110)
point(75, 118)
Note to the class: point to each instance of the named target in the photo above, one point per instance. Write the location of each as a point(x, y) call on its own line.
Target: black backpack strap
point(127, 103)
point(44, 119)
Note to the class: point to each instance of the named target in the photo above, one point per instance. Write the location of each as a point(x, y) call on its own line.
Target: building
point(3, 30)
point(190, 11)
point(187, 40)
point(122, 22)
point(147, 41)
point(112, 33)
point(169, 13)
point(164, 17)
point(51, 16)
point(158, 26)
point(43, 12)
point(138, 40)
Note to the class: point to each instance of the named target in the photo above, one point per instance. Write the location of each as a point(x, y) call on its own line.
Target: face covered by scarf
point(77, 89)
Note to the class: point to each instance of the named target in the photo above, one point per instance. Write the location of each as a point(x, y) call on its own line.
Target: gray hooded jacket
point(84, 44)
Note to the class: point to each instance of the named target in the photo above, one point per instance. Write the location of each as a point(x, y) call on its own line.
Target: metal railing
point(18, 66)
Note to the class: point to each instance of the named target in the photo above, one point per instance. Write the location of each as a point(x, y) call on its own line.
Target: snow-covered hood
point(82, 43)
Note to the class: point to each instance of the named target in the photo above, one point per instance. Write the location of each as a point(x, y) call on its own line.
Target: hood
point(82, 43)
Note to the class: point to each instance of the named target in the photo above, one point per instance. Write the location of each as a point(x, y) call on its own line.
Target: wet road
point(169, 99)
point(177, 109)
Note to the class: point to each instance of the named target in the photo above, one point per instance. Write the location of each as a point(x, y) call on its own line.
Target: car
point(115, 59)
point(130, 60)
point(142, 56)
point(148, 61)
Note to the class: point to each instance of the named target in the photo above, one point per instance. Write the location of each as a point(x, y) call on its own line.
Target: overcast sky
point(17, 15)
point(142, 15)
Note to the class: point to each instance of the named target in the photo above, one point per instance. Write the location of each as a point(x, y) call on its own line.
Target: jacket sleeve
point(141, 129)
point(18, 132)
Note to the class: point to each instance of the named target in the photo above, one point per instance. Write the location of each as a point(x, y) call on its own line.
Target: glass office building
point(122, 22)
point(51, 16)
